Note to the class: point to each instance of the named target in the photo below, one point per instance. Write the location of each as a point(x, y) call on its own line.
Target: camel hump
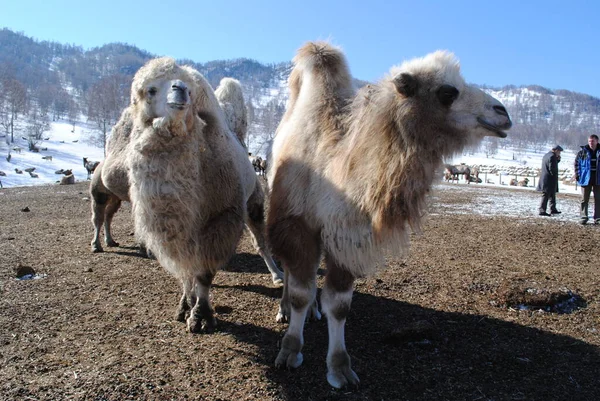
point(322, 58)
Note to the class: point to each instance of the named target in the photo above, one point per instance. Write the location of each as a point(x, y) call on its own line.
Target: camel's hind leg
point(99, 201)
point(299, 249)
point(112, 206)
point(336, 299)
point(256, 225)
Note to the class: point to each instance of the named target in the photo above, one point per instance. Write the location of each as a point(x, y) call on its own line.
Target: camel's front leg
point(301, 293)
point(188, 299)
point(202, 315)
point(336, 299)
point(299, 248)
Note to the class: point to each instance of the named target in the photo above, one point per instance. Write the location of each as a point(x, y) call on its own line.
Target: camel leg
point(336, 299)
point(202, 315)
point(188, 298)
point(111, 208)
point(98, 210)
point(299, 249)
point(256, 225)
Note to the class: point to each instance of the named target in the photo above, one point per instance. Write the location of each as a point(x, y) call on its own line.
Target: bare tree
point(36, 126)
point(73, 113)
point(105, 100)
point(15, 103)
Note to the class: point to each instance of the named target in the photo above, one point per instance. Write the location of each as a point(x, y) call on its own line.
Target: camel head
point(163, 94)
point(432, 90)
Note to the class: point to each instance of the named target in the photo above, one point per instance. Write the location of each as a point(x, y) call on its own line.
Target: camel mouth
point(178, 106)
point(493, 128)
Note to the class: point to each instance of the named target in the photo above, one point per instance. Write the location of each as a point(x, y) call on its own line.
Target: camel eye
point(152, 91)
point(447, 94)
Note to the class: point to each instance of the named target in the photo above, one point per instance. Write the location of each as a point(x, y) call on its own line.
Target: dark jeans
point(585, 192)
point(548, 196)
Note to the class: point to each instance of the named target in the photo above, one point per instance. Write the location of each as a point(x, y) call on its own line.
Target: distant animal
point(256, 164)
point(191, 185)
point(513, 182)
point(17, 149)
point(350, 173)
point(18, 171)
point(62, 141)
point(44, 149)
point(25, 138)
point(524, 182)
point(29, 169)
point(263, 167)
point(49, 158)
point(76, 140)
point(2, 174)
point(33, 175)
point(67, 180)
point(68, 172)
point(453, 171)
point(90, 166)
point(474, 179)
point(47, 138)
point(59, 171)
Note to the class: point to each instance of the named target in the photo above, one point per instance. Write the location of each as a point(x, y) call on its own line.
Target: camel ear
point(406, 84)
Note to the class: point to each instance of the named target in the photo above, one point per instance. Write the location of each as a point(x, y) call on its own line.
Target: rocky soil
point(485, 307)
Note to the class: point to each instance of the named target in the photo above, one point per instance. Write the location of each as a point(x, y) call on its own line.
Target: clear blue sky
point(551, 43)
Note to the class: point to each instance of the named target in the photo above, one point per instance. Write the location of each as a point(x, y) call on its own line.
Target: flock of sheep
point(347, 179)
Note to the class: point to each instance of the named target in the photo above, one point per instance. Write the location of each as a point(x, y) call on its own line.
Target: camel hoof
point(339, 370)
point(198, 325)
point(288, 359)
point(112, 243)
point(342, 377)
point(277, 280)
point(97, 249)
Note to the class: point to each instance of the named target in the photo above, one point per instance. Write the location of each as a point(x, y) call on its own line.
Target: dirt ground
point(447, 323)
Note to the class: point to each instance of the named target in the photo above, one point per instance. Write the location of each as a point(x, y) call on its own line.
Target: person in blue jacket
point(586, 173)
point(548, 183)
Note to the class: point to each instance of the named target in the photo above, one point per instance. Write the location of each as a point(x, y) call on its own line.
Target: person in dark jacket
point(548, 183)
point(586, 172)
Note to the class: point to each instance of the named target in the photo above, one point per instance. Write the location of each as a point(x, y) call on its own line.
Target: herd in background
point(68, 177)
point(492, 174)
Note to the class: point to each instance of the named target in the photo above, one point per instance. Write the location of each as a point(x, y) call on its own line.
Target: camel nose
point(179, 85)
point(501, 110)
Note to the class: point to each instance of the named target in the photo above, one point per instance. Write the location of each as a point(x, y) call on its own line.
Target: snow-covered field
point(67, 149)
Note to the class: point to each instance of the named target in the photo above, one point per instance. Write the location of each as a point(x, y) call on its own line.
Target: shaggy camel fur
point(350, 174)
point(231, 98)
point(192, 186)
